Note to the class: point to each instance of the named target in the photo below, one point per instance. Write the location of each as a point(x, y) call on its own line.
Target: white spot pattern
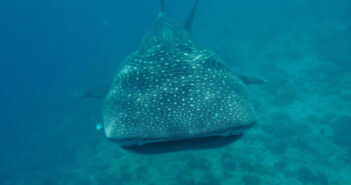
point(171, 88)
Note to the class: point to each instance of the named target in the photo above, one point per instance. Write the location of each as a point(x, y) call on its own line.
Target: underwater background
point(51, 49)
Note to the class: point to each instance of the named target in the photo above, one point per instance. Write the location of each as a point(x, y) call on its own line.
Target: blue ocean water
point(51, 49)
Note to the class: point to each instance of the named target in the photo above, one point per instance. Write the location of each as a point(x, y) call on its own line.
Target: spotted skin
point(170, 89)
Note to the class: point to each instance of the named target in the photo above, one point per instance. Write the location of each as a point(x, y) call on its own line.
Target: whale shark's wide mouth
point(201, 143)
point(134, 142)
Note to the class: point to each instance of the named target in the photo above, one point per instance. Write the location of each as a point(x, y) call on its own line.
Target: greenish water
point(51, 49)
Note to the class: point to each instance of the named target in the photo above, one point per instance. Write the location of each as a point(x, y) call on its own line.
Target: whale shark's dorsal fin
point(162, 10)
point(190, 18)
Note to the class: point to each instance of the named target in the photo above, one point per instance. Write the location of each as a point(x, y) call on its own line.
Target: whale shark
point(172, 89)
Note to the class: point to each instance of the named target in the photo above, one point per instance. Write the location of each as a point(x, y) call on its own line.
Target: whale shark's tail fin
point(190, 18)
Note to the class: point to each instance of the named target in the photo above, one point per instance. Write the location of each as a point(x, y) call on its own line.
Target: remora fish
point(172, 90)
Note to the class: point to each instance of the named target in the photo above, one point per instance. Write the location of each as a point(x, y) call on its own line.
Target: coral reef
point(250, 180)
point(228, 162)
point(303, 133)
point(342, 131)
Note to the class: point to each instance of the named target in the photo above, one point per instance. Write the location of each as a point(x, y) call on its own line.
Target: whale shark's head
point(172, 89)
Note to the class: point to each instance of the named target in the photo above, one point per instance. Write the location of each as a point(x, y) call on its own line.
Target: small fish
point(98, 126)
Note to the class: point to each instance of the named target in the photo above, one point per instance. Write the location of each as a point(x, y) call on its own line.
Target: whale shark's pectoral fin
point(97, 92)
point(249, 80)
